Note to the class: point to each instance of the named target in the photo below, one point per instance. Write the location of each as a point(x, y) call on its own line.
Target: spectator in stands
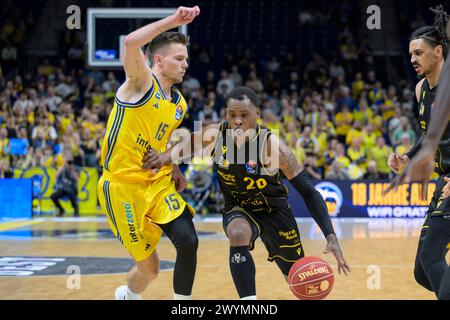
point(271, 121)
point(312, 117)
point(292, 132)
point(208, 115)
point(90, 147)
point(372, 172)
point(310, 165)
point(380, 154)
point(5, 171)
point(362, 113)
point(369, 137)
point(343, 120)
point(357, 85)
point(225, 80)
point(336, 69)
point(327, 101)
point(235, 76)
point(210, 84)
point(354, 132)
point(341, 156)
point(191, 86)
point(401, 130)
point(52, 100)
point(394, 121)
point(377, 94)
point(43, 134)
point(356, 153)
point(25, 161)
point(66, 87)
point(336, 172)
point(308, 141)
point(330, 152)
point(110, 83)
point(253, 82)
point(23, 103)
point(405, 145)
point(4, 145)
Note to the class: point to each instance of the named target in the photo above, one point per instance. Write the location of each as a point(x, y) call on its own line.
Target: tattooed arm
point(278, 152)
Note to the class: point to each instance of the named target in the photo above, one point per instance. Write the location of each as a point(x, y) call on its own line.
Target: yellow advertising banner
point(44, 185)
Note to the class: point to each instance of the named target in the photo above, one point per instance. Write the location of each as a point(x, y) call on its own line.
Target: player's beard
point(420, 76)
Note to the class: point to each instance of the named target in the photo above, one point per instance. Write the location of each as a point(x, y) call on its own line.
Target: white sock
point(132, 295)
point(181, 297)
point(249, 298)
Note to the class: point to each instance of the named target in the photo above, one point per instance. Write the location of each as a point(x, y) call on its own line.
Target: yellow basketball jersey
point(134, 128)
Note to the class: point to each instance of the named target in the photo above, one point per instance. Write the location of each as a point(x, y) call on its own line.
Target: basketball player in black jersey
point(428, 48)
point(248, 160)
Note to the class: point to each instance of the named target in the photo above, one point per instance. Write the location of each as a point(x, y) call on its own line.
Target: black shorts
point(278, 231)
point(439, 206)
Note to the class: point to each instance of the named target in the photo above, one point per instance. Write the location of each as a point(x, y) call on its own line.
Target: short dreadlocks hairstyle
point(435, 35)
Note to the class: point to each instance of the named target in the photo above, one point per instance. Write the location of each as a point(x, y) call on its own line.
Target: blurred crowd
point(335, 114)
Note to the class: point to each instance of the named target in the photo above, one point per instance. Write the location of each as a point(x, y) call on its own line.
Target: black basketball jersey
point(243, 179)
point(426, 100)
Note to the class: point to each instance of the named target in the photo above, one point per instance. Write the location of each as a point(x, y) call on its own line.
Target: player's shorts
point(134, 211)
point(439, 205)
point(278, 231)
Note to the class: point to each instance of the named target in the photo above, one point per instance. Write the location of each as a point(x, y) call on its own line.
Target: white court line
point(359, 266)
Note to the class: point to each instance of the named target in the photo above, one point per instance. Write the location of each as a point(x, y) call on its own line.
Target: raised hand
point(185, 15)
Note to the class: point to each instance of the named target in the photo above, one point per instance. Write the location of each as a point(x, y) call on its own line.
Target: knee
point(239, 235)
point(188, 243)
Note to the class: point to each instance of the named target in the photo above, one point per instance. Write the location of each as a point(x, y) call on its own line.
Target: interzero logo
point(130, 220)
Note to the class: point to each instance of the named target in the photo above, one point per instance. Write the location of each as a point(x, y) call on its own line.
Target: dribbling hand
point(335, 249)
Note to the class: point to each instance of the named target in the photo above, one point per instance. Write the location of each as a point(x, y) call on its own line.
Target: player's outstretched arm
point(300, 180)
point(135, 63)
point(196, 141)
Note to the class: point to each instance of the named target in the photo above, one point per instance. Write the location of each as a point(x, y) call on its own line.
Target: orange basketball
point(311, 278)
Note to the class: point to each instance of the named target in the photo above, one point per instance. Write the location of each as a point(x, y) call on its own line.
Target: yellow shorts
point(135, 209)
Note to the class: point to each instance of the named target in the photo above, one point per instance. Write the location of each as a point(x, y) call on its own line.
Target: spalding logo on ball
point(311, 278)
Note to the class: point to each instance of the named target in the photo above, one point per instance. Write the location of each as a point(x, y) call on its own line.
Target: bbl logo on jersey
point(250, 166)
point(224, 163)
point(179, 113)
point(422, 109)
point(157, 96)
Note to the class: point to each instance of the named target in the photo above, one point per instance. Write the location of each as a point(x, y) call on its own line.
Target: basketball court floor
point(67, 258)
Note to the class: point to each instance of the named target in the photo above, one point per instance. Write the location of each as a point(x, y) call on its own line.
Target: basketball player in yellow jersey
point(139, 203)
